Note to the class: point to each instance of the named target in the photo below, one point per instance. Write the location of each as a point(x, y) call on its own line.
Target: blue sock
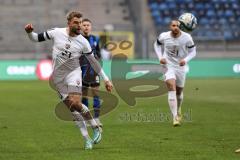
point(96, 106)
point(85, 101)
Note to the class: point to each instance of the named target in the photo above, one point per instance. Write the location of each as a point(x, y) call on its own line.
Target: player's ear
point(68, 22)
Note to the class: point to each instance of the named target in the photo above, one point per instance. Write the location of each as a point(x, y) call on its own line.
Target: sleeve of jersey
point(191, 55)
point(98, 49)
point(87, 48)
point(190, 43)
point(96, 66)
point(39, 37)
point(158, 48)
point(191, 50)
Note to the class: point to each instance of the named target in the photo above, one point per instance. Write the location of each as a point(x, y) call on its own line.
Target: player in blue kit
point(89, 77)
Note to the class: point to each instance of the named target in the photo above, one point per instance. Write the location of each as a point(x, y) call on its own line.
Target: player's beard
point(175, 32)
point(76, 31)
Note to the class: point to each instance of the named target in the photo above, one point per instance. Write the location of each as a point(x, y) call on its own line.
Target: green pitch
point(29, 128)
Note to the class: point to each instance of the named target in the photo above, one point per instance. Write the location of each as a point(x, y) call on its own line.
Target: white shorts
point(66, 83)
point(179, 74)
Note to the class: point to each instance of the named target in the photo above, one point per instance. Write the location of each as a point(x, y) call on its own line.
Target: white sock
point(92, 122)
point(80, 123)
point(84, 108)
point(172, 101)
point(179, 102)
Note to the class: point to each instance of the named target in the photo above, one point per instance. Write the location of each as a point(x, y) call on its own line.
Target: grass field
point(29, 128)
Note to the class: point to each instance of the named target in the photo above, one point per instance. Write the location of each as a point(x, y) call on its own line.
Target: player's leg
point(62, 89)
point(179, 92)
point(85, 95)
point(73, 100)
point(78, 119)
point(74, 104)
point(170, 80)
point(80, 123)
point(96, 103)
point(172, 99)
point(180, 82)
point(74, 94)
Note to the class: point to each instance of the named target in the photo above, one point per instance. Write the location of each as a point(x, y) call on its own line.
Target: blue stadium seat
point(162, 6)
point(229, 13)
point(228, 35)
point(167, 20)
point(220, 13)
point(153, 6)
point(211, 13)
point(213, 16)
point(199, 6)
point(203, 21)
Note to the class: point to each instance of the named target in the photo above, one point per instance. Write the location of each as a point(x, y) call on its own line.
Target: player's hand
point(29, 28)
point(163, 61)
point(108, 86)
point(182, 62)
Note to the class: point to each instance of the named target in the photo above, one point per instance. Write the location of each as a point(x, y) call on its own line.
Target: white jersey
point(67, 50)
point(175, 49)
point(67, 74)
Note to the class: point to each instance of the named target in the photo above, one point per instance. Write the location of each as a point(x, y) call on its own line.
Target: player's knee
point(171, 85)
point(179, 91)
point(180, 95)
point(74, 100)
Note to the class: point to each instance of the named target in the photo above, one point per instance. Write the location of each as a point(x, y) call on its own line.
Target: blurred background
point(121, 21)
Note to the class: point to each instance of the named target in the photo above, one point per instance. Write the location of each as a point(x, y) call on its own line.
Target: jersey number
point(174, 51)
point(66, 53)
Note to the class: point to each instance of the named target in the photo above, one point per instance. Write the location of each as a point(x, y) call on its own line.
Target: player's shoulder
point(94, 37)
point(62, 30)
point(82, 39)
point(165, 34)
point(57, 30)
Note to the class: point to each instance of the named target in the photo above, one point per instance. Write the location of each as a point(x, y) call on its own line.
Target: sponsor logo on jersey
point(67, 46)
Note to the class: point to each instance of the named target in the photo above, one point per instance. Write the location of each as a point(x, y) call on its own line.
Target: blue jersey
point(89, 76)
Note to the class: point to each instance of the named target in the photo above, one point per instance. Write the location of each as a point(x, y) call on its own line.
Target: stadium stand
point(217, 30)
point(45, 14)
point(217, 19)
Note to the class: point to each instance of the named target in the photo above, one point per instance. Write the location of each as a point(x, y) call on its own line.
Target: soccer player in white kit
point(68, 46)
point(175, 49)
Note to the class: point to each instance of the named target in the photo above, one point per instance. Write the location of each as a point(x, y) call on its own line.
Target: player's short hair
point(73, 14)
point(86, 20)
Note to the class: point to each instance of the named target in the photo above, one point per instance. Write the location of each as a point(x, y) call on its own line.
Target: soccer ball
point(188, 22)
